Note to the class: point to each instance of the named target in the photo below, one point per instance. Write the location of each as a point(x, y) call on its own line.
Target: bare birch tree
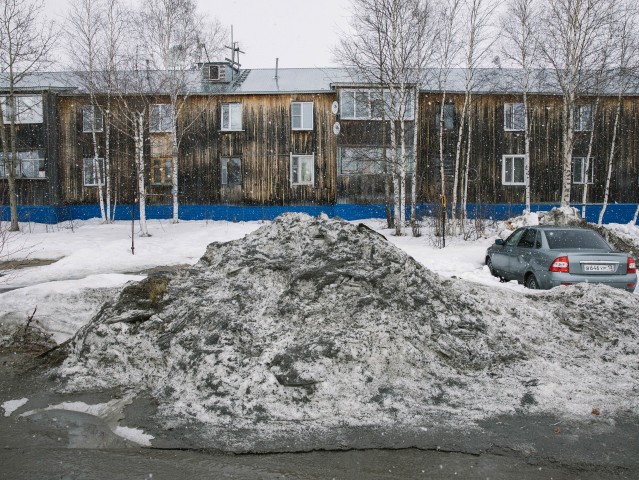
point(448, 45)
point(571, 47)
point(626, 67)
point(96, 33)
point(25, 44)
point(174, 34)
point(477, 45)
point(518, 24)
point(388, 49)
point(363, 52)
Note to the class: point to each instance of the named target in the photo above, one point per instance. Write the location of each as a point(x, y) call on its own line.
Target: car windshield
point(573, 239)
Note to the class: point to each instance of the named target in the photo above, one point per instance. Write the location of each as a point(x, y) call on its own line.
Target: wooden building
point(308, 137)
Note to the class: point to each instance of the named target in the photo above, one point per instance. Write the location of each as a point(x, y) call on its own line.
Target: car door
point(501, 258)
point(522, 254)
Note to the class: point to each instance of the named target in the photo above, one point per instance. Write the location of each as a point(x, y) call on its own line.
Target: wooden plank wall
point(490, 142)
point(264, 145)
point(266, 142)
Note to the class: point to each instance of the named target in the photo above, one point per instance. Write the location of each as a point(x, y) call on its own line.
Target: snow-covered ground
point(246, 336)
point(94, 260)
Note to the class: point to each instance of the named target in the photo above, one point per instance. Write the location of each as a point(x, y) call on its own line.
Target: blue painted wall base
point(615, 213)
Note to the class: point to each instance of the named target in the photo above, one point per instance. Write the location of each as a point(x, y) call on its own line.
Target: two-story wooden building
point(301, 137)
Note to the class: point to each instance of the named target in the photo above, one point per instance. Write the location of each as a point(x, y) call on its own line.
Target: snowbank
point(325, 322)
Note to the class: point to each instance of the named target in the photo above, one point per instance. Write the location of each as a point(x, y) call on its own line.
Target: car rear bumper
point(626, 282)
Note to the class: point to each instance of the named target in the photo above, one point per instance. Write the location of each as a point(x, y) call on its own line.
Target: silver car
point(548, 256)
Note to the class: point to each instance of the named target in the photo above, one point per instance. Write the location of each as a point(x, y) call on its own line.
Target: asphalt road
point(69, 445)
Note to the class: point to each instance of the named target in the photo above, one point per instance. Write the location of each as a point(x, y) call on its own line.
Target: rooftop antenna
point(235, 50)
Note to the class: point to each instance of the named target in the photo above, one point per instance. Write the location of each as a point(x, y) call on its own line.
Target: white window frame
point(512, 114)
point(233, 110)
point(29, 109)
point(368, 160)
point(164, 114)
point(29, 164)
point(511, 158)
point(371, 96)
point(295, 178)
point(304, 108)
point(92, 119)
point(579, 122)
point(449, 116)
point(224, 172)
point(94, 165)
point(582, 162)
point(163, 165)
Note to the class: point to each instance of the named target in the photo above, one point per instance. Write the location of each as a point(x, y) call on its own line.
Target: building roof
point(300, 80)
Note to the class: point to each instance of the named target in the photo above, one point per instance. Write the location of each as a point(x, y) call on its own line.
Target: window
point(583, 118)
point(369, 160)
point(449, 165)
point(514, 237)
point(27, 109)
point(92, 120)
point(231, 170)
point(302, 115)
point(161, 171)
point(513, 116)
point(91, 168)
point(302, 169)
point(371, 105)
point(528, 239)
point(571, 239)
point(579, 170)
point(512, 170)
point(231, 116)
point(449, 116)
point(161, 117)
point(30, 164)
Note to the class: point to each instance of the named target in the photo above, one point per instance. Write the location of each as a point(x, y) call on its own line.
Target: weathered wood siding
point(37, 136)
point(264, 145)
point(490, 142)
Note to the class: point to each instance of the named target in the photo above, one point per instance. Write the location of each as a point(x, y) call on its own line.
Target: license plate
point(598, 268)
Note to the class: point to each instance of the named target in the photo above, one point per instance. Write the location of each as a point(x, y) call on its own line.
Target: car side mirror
point(499, 241)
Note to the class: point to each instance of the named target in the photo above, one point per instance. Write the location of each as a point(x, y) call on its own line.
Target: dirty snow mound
point(320, 321)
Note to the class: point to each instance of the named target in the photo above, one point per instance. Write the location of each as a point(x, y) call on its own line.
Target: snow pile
point(562, 216)
point(324, 322)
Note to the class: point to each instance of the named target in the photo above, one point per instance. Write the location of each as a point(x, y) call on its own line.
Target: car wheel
point(531, 282)
point(489, 264)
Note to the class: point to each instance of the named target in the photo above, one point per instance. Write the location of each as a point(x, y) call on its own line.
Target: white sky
point(301, 33)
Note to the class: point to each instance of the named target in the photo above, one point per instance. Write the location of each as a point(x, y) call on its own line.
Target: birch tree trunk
point(442, 120)
point(107, 161)
point(460, 135)
point(396, 184)
point(13, 161)
point(568, 135)
point(469, 145)
point(586, 179)
point(526, 149)
point(139, 158)
point(174, 175)
point(96, 166)
point(610, 162)
point(413, 177)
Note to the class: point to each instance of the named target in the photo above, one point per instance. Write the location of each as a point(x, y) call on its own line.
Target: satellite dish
point(336, 128)
point(335, 107)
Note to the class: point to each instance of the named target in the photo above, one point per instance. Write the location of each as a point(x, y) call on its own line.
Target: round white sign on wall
point(336, 128)
point(335, 107)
